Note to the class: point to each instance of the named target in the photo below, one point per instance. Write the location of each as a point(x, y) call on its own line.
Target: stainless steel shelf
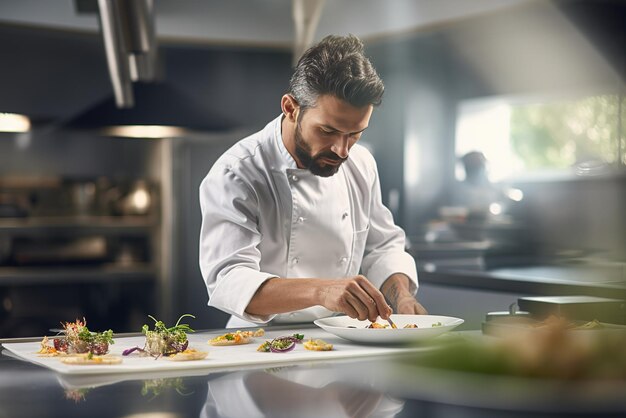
point(16, 276)
point(103, 224)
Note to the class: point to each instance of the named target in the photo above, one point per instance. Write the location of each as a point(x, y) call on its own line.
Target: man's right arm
point(357, 297)
point(229, 238)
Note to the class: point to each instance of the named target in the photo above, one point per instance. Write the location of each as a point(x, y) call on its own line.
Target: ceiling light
point(12, 122)
point(154, 415)
point(145, 131)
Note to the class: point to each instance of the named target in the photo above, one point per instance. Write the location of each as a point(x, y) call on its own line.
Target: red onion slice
point(282, 344)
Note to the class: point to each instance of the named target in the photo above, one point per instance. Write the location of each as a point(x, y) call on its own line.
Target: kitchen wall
point(585, 216)
point(241, 86)
point(544, 48)
point(60, 74)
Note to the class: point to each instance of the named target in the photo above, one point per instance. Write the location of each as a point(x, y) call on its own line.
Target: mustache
point(329, 155)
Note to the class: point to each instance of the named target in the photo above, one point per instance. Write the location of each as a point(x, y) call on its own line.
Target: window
point(542, 138)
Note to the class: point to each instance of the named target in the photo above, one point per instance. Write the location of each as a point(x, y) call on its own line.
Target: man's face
point(325, 133)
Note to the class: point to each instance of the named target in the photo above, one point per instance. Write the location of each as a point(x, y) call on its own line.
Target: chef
point(293, 225)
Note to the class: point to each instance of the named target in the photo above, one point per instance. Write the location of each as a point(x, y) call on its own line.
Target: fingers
point(409, 305)
point(419, 309)
point(382, 308)
point(358, 298)
point(348, 308)
point(370, 299)
point(362, 307)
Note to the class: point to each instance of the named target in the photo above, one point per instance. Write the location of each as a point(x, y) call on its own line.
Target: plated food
point(376, 325)
point(317, 345)
point(236, 338)
point(167, 341)
point(188, 355)
point(281, 344)
point(75, 338)
point(411, 328)
point(90, 359)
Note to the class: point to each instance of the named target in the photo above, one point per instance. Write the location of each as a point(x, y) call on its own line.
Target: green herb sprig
point(178, 332)
point(95, 337)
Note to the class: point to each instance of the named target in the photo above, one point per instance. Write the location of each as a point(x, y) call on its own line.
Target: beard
point(313, 163)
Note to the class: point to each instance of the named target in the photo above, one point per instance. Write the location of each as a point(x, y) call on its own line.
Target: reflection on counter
point(277, 392)
point(291, 391)
point(154, 388)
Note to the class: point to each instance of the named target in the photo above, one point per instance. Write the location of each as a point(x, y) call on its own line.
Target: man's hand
point(397, 292)
point(357, 297)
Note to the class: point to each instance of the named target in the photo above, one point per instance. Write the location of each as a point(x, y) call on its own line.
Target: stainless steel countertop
point(593, 279)
point(381, 387)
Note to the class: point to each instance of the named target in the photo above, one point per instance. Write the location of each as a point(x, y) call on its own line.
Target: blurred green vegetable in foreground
point(552, 352)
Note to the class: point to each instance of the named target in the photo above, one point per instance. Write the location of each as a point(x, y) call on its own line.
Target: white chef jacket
point(262, 217)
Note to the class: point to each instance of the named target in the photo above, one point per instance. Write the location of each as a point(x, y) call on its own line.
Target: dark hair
point(337, 66)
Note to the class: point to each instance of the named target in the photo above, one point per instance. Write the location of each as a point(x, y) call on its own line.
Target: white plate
point(355, 330)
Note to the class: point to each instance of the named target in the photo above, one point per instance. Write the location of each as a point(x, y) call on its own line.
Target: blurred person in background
point(476, 192)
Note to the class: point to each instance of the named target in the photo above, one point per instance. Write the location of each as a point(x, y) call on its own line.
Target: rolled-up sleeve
point(229, 238)
point(385, 246)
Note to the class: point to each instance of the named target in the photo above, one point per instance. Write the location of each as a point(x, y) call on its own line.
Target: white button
point(345, 215)
point(295, 260)
point(300, 219)
point(343, 260)
point(294, 178)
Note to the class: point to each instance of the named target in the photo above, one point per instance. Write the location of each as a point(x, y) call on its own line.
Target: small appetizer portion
point(236, 338)
point(317, 345)
point(89, 359)
point(376, 325)
point(47, 350)
point(77, 339)
point(188, 354)
point(281, 344)
point(164, 341)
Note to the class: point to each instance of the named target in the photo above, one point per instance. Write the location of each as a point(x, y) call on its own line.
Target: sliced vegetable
point(282, 344)
point(132, 350)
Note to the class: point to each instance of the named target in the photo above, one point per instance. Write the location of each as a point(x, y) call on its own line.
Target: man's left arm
point(398, 293)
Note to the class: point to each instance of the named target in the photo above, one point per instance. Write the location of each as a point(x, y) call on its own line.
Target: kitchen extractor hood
point(130, 45)
point(156, 104)
point(306, 17)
